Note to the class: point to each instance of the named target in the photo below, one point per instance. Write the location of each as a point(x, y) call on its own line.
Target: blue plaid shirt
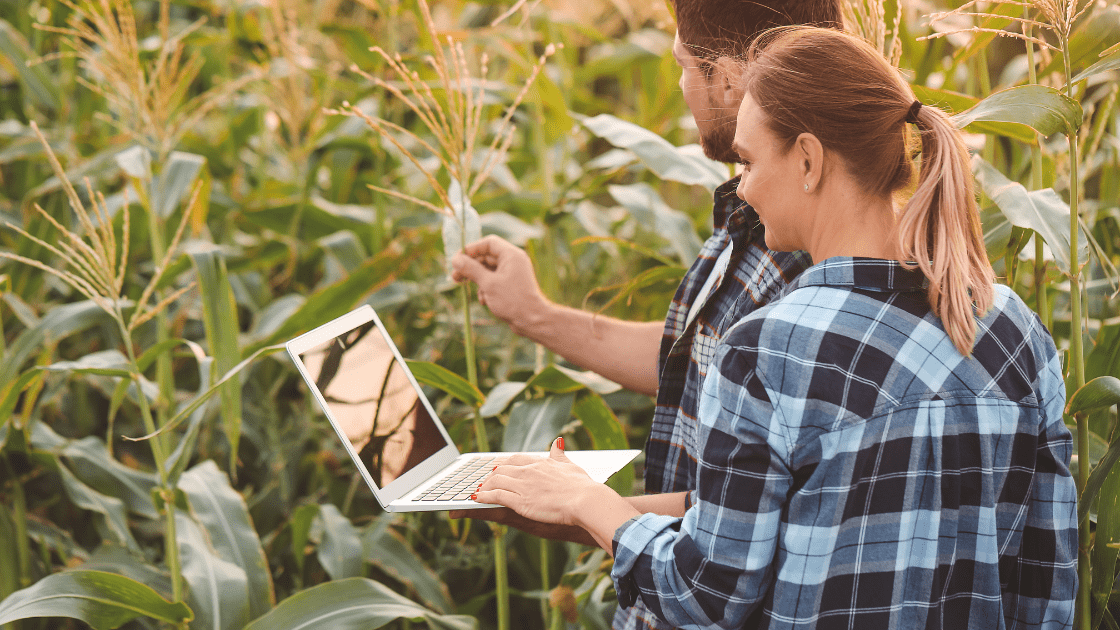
point(716, 294)
point(855, 471)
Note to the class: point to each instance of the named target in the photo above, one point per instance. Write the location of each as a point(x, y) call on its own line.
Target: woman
point(883, 446)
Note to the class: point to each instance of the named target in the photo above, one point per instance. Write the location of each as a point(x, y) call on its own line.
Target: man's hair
point(726, 28)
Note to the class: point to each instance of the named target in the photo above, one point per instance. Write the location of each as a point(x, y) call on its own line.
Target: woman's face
point(772, 181)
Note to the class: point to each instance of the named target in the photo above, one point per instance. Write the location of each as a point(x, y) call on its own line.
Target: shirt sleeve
point(712, 568)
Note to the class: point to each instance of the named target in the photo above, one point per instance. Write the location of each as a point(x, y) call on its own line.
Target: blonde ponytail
point(939, 230)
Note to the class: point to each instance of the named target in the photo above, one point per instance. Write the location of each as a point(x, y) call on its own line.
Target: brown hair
point(726, 28)
point(840, 89)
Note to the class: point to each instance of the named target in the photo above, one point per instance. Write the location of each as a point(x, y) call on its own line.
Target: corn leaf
point(102, 600)
point(220, 320)
point(658, 155)
point(222, 512)
point(534, 424)
point(500, 397)
point(1041, 108)
point(445, 380)
point(387, 550)
point(606, 434)
point(352, 604)
point(338, 550)
point(217, 586)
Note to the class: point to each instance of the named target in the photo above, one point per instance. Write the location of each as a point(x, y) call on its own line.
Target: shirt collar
point(733, 214)
point(871, 274)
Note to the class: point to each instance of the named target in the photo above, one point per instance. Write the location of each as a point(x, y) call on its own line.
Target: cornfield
point(185, 185)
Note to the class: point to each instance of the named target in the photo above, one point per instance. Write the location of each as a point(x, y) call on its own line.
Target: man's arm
point(625, 352)
point(671, 504)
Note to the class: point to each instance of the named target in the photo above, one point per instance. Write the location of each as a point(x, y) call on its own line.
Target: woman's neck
point(853, 224)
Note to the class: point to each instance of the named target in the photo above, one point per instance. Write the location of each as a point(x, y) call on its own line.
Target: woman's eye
point(746, 165)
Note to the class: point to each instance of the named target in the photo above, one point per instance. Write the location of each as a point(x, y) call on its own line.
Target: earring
point(806, 187)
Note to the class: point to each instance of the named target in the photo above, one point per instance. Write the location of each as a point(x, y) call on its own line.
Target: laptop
point(389, 427)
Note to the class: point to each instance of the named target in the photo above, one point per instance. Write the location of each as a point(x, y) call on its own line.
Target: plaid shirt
point(716, 296)
point(857, 472)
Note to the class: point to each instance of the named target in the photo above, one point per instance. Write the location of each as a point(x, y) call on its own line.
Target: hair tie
point(912, 113)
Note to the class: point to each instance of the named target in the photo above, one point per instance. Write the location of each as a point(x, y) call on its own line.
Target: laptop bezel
point(407, 482)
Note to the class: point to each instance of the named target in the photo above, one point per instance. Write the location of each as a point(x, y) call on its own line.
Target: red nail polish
point(493, 469)
point(561, 441)
point(473, 497)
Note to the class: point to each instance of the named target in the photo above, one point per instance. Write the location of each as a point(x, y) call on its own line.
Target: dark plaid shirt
point(857, 472)
point(753, 276)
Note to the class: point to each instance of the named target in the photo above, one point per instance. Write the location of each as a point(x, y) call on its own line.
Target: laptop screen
point(373, 402)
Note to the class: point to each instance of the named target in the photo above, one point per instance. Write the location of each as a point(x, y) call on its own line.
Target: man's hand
point(506, 516)
point(506, 281)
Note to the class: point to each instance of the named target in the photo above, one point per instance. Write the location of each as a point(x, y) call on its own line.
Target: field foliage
point(186, 184)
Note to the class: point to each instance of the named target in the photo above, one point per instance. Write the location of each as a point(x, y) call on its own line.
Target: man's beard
point(717, 141)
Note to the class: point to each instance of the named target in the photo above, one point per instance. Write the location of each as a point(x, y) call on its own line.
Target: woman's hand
point(554, 490)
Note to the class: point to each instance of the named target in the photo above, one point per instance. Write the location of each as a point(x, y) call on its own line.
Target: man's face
point(704, 93)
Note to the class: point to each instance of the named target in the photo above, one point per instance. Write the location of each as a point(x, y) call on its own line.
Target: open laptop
point(388, 426)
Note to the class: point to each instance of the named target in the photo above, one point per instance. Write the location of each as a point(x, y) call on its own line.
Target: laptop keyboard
point(460, 484)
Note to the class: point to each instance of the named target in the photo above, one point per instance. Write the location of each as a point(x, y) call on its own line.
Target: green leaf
point(601, 423)
point(387, 550)
point(12, 392)
point(647, 207)
point(553, 380)
point(534, 424)
point(39, 86)
point(300, 525)
point(591, 380)
point(111, 508)
point(606, 434)
point(136, 162)
point(219, 315)
point(103, 600)
point(1041, 108)
point(339, 298)
point(225, 516)
point(90, 461)
point(1097, 478)
point(338, 550)
point(175, 180)
point(1104, 358)
point(9, 551)
point(344, 249)
point(59, 322)
point(665, 160)
point(955, 102)
point(1103, 559)
point(463, 225)
point(1103, 391)
point(1040, 210)
point(1111, 62)
point(445, 380)
point(105, 363)
point(352, 604)
point(217, 586)
point(500, 397)
point(179, 458)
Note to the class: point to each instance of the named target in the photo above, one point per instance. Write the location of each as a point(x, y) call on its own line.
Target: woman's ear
point(809, 153)
point(727, 74)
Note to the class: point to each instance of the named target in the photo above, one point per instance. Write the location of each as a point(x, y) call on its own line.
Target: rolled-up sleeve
point(713, 567)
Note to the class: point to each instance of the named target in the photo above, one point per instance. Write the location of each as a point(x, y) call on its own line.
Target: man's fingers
point(465, 267)
point(488, 245)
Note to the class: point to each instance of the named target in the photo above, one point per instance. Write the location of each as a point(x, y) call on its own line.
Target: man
point(734, 274)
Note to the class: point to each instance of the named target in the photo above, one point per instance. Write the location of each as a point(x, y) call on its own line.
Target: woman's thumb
point(557, 449)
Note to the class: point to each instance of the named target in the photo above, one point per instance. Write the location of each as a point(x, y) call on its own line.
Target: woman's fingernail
point(560, 442)
point(493, 469)
point(473, 497)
